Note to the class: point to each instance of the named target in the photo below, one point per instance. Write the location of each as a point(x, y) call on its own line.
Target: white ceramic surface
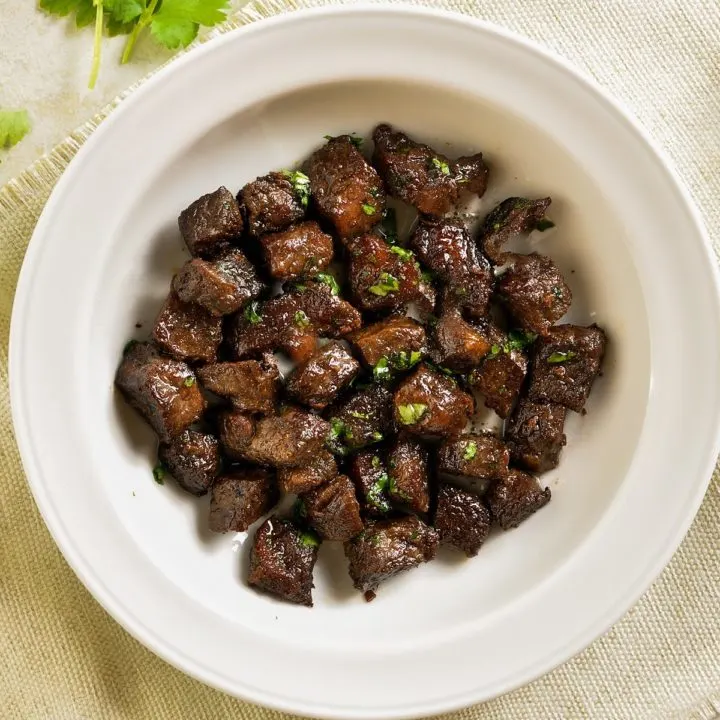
point(453, 632)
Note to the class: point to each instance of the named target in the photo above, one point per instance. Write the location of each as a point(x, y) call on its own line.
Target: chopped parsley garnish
point(375, 496)
point(309, 539)
point(470, 451)
point(189, 382)
point(359, 415)
point(301, 319)
point(381, 371)
point(369, 209)
point(404, 360)
point(376, 462)
point(328, 279)
point(395, 491)
point(251, 313)
point(560, 357)
point(385, 285)
point(376, 436)
point(441, 165)
point(558, 292)
point(544, 224)
point(354, 139)
point(517, 340)
point(410, 414)
point(301, 185)
point(426, 276)
point(388, 226)
point(159, 473)
point(401, 252)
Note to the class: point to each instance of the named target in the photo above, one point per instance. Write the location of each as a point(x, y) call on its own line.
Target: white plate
point(453, 632)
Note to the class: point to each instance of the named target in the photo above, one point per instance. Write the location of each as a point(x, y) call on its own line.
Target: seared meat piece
point(432, 405)
point(319, 380)
point(220, 286)
point(235, 431)
point(458, 344)
point(534, 292)
point(333, 509)
point(476, 458)
point(535, 435)
point(502, 373)
point(162, 390)
point(291, 439)
point(399, 340)
point(472, 174)
point(346, 191)
point(362, 419)
point(241, 497)
point(193, 459)
point(383, 276)
point(409, 475)
point(211, 224)
point(282, 559)
point(298, 480)
point(369, 472)
point(511, 217)
point(272, 203)
point(446, 248)
point(250, 385)
point(515, 498)
point(386, 547)
point(187, 332)
point(302, 249)
point(461, 519)
point(566, 364)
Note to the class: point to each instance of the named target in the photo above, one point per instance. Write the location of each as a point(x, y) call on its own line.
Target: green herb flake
point(375, 496)
point(560, 357)
point(299, 512)
point(301, 319)
point(414, 535)
point(495, 350)
point(356, 140)
point(411, 414)
point(251, 313)
point(189, 382)
point(369, 209)
point(519, 340)
point(329, 280)
point(388, 226)
point(359, 415)
point(14, 126)
point(309, 539)
point(376, 462)
point(470, 451)
point(337, 428)
point(381, 371)
point(301, 185)
point(441, 165)
point(385, 285)
point(159, 473)
point(376, 436)
point(401, 252)
point(544, 224)
point(558, 292)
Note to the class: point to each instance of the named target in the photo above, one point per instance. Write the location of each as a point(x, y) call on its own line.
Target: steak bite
point(346, 190)
point(515, 498)
point(250, 385)
point(235, 431)
point(534, 292)
point(220, 286)
point(461, 519)
point(387, 547)
point(301, 250)
point(399, 340)
point(511, 217)
point(408, 472)
point(333, 510)
point(472, 174)
point(535, 435)
point(432, 405)
point(193, 459)
point(162, 390)
point(282, 559)
point(272, 203)
point(446, 248)
point(458, 344)
point(364, 418)
point(382, 276)
point(369, 473)
point(474, 457)
point(566, 364)
point(319, 470)
point(187, 332)
point(211, 224)
point(318, 381)
point(240, 497)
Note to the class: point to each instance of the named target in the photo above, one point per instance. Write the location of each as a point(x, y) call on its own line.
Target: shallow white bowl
point(453, 632)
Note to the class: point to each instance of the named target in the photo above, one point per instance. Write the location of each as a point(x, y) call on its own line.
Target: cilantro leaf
point(388, 226)
point(301, 319)
point(329, 280)
point(401, 252)
point(470, 450)
point(251, 313)
point(173, 33)
point(385, 285)
point(85, 13)
point(301, 185)
point(14, 126)
point(410, 414)
point(560, 357)
point(123, 12)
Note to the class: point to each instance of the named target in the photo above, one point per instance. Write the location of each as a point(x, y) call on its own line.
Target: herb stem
point(141, 24)
point(95, 68)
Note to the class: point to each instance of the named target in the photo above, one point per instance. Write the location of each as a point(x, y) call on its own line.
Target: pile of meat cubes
point(370, 427)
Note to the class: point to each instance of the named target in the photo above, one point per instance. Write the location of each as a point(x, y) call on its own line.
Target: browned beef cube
point(461, 519)
point(535, 435)
point(476, 458)
point(362, 419)
point(535, 292)
point(187, 332)
point(511, 217)
point(282, 559)
point(566, 364)
point(333, 510)
point(302, 249)
point(193, 459)
point(301, 479)
point(164, 391)
point(399, 340)
point(211, 223)
point(291, 439)
point(292, 322)
point(472, 174)
point(387, 547)
point(432, 405)
point(446, 248)
point(409, 475)
point(502, 373)
point(272, 203)
point(458, 344)
point(235, 431)
point(250, 385)
point(345, 189)
point(319, 380)
point(515, 498)
point(241, 497)
point(369, 473)
point(383, 276)
point(220, 286)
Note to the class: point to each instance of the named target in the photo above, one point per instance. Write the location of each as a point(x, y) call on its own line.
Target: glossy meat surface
point(271, 204)
point(363, 418)
point(535, 435)
point(333, 510)
point(475, 457)
point(409, 475)
point(250, 385)
point(461, 519)
point(321, 468)
point(301, 250)
point(515, 498)
point(397, 339)
point(211, 224)
point(193, 459)
point(241, 497)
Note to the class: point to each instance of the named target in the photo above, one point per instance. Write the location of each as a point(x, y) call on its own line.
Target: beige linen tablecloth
point(62, 657)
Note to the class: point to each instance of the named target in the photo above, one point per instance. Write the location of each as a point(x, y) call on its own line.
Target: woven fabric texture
point(64, 658)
